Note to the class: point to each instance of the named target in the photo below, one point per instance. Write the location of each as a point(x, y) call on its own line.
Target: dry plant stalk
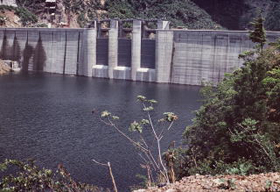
point(151, 161)
point(110, 171)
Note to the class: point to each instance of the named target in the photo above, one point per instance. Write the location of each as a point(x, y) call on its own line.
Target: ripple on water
point(48, 117)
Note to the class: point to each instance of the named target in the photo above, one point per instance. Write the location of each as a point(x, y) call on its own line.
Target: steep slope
point(180, 12)
point(192, 14)
point(79, 13)
point(237, 14)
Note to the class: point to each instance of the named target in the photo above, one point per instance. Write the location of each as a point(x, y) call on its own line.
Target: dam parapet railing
point(137, 50)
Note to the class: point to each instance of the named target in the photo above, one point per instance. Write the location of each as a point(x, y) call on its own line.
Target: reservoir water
point(49, 118)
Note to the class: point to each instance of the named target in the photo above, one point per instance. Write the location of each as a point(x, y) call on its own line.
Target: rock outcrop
point(4, 68)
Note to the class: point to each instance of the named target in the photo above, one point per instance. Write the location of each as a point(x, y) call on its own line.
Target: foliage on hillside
point(236, 131)
point(179, 12)
point(35, 6)
point(237, 14)
point(86, 11)
point(24, 14)
point(193, 14)
point(273, 17)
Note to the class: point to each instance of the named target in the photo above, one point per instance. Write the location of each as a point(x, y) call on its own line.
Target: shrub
point(26, 16)
point(28, 177)
point(236, 130)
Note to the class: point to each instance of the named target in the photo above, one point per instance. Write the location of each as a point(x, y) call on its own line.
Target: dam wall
point(205, 56)
point(160, 55)
point(62, 51)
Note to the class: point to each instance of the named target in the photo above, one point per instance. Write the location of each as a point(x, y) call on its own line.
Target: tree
point(258, 35)
point(237, 127)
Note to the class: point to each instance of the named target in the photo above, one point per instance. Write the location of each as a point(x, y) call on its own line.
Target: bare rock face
point(4, 68)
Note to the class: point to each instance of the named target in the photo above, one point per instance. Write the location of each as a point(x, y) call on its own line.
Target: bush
point(26, 16)
point(236, 130)
point(28, 177)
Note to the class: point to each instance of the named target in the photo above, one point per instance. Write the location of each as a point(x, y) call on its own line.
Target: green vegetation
point(237, 14)
point(86, 10)
point(180, 12)
point(236, 130)
point(273, 17)
point(25, 15)
point(2, 20)
point(226, 13)
point(258, 35)
point(34, 6)
point(192, 14)
point(28, 177)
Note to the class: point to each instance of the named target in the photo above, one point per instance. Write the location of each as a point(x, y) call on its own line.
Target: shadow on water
point(39, 58)
point(27, 54)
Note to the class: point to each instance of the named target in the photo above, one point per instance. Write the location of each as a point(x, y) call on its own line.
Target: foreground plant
point(152, 162)
point(28, 177)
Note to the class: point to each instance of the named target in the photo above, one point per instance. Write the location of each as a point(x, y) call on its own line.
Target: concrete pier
point(113, 48)
point(88, 53)
point(136, 48)
point(164, 56)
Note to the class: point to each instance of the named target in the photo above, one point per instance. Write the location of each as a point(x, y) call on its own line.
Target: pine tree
point(259, 34)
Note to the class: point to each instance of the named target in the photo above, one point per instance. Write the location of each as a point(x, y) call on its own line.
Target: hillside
point(79, 13)
point(192, 14)
point(237, 14)
point(180, 13)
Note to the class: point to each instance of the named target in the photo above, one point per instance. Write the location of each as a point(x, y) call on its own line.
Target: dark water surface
point(48, 117)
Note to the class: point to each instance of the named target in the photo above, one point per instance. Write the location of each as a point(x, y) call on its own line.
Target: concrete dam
point(129, 50)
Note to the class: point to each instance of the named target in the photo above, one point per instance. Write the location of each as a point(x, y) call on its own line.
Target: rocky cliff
point(192, 14)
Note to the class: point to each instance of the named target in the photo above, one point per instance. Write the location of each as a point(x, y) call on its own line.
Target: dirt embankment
point(254, 183)
point(9, 19)
point(4, 69)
